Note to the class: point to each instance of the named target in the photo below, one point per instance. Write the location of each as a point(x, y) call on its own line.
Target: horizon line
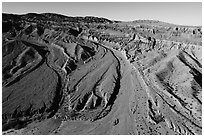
point(103, 17)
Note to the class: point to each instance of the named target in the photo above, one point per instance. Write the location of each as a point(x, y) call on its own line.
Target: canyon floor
point(89, 75)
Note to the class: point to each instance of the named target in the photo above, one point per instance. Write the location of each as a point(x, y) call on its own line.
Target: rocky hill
point(90, 75)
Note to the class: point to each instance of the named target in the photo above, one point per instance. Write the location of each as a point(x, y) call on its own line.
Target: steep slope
point(89, 75)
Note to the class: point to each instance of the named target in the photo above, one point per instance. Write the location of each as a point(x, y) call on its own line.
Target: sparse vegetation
point(90, 75)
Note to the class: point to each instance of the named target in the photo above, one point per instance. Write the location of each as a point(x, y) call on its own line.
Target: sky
point(181, 13)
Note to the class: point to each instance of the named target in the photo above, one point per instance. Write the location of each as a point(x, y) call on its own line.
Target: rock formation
point(90, 75)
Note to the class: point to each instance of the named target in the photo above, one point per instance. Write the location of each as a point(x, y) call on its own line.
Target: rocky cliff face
point(89, 75)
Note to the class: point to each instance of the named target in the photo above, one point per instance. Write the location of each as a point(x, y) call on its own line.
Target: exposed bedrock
point(89, 75)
